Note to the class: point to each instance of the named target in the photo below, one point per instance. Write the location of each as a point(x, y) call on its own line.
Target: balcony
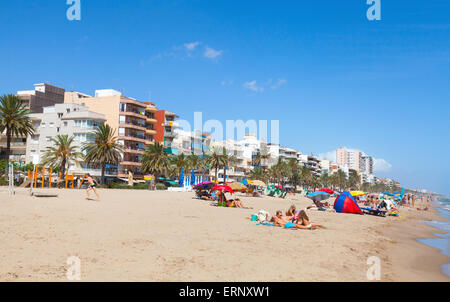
point(151, 120)
point(171, 124)
point(169, 134)
point(150, 131)
point(151, 109)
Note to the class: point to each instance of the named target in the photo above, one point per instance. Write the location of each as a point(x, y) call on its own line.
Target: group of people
point(219, 196)
point(294, 219)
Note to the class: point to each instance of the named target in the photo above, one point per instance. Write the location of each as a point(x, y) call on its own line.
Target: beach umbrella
point(318, 196)
point(258, 183)
point(193, 177)
point(357, 193)
point(245, 182)
point(326, 190)
point(223, 189)
point(206, 185)
point(181, 180)
point(237, 186)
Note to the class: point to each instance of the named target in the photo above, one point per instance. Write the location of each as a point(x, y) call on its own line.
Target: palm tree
point(194, 162)
point(180, 162)
point(61, 154)
point(353, 179)
point(104, 150)
point(14, 121)
point(215, 161)
point(325, 180)
point(341, 179)
point(258, 174)
point(229, 161)
point(155, 160)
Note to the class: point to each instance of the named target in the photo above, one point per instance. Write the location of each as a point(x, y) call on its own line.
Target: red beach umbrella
point(326, 190)
point(223, 188)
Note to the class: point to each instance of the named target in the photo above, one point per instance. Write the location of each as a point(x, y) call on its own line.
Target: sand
point(135, 235)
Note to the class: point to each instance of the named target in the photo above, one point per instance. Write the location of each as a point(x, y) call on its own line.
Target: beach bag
point(263, 216)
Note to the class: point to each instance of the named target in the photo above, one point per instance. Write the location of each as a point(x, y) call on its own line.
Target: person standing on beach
point(91, 186)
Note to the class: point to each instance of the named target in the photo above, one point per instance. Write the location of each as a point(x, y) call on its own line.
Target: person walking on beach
point(91, 186)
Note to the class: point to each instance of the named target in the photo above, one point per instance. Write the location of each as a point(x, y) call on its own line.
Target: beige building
point(132, 120)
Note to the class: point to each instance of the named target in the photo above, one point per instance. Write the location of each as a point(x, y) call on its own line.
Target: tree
point(353, 179)
point(61, 154)
point(325, 180)
point(341, 179)
point(228, 161)
point(258, 174)
point(180, 161)
point(155, 160)
point(14, 121)
point(104, 150)
point(215, 161)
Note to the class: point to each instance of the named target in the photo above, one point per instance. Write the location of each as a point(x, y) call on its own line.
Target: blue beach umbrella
point(193, 177)
point(245, 182)
point(181, 180)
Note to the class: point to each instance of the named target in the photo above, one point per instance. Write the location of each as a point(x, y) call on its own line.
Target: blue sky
point(329, 75)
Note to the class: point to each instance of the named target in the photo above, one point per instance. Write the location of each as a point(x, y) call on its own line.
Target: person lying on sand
point(304, 223)
point(235, 203)
point(422, 209)
point(278, 220)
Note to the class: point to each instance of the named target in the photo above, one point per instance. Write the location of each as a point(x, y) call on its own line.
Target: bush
point(3, 182)
point(161, 187)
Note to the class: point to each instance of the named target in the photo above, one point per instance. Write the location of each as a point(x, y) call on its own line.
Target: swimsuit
point(289, 225)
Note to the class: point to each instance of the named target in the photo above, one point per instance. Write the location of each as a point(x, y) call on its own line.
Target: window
point(65, 124)
point(60, 115)
point(43, 125)
point(51, 125)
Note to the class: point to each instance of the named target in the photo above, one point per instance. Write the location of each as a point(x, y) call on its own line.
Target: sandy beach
point(133, 235)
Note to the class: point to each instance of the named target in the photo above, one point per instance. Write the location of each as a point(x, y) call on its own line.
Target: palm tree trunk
point(224, 175)
point(103, 174)
point(216, 180)
point(8, 151)
point(63, 170)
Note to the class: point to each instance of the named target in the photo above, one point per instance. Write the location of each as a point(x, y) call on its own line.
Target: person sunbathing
point(290, 213)
point(304, 223)
point(278, 220)
point(422, 209)
point(235, 203)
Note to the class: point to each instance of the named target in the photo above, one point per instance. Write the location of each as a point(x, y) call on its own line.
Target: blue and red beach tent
point(345, 203)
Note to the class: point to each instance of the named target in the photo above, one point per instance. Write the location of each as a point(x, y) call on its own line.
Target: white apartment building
point(62, 119)
point(195, 142)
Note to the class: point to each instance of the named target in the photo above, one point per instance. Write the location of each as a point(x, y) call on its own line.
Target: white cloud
point(253, 86)
point(212, 53)
point(278, 84)
point(328, 156)
point(381, 165)
point(191, 46)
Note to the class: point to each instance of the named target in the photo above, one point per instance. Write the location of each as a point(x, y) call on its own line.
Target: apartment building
point(195, 142)
point(355, 160)
point(43, 95)
point(133, 121)
point(63, 119)
point(165, 130)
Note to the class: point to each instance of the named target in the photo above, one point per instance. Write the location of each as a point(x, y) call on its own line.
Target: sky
point(329, 75)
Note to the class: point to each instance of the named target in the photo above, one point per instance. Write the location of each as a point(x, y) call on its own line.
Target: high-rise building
point(354, 160)
point(133, 121)
point(63, 119)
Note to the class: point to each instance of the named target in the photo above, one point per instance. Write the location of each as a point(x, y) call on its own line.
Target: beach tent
point(345, 203)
